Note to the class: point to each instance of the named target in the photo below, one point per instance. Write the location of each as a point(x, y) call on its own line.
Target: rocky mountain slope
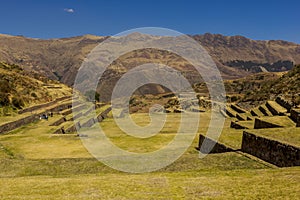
point(258, 88)
point(235, 56)
point(20, 88)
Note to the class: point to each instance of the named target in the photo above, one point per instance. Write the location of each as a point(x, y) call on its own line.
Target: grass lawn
point(36, 164)
point(283, 121)
point(290, 135)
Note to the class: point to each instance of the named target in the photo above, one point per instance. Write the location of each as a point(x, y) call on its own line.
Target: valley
point(256, 156)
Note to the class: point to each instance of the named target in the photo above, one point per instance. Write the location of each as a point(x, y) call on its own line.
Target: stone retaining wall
point(237, 126)
point(60, 107)
point(16, 124)
point(230, 114)
point(223, 113)
point(218, 147)
point(26, 120)
point(263, 110)
point(239, 117)
point(89, 123)
point(103, 115)
point(45, 105)
point(58, 122)
point(273, 110)
point(67, 112)
point(284, 103)
point(77, 116)
point(89, 110)
point(237, 108)
point(295, 115)
point(253, 113)
point(259, 124)
point(79, 108)
point(275, 152)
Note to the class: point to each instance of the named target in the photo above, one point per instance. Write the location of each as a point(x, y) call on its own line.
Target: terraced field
point(37, 164)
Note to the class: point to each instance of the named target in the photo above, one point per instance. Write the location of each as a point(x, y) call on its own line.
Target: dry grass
point(38, 165)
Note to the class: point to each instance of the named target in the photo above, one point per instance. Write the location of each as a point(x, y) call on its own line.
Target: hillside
point(60, 59)
point(265, 86)
point(288, 85)
point(20, 88)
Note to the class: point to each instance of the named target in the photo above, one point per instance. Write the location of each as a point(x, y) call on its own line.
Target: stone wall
point(223, 113)
point(16, 124)
point(295, 115)
point(218, 147)
point(45, 105)
point(79, 108)
point(275, 152)
point(89, 123)
point(237, 108)
point(284, 103)
point(253, 113)
point(103, 115)
point(258, 124)
point(263, 110)
point(89, 110)
point(67, 112)
point(77, 116)
point(58, 122)
point(273, 110)
point(60, 107)
point(240, 117)
point(237, 126)
point(230, 114)
point(26, 120)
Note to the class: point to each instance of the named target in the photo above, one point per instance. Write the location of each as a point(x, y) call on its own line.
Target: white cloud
point(69, 10)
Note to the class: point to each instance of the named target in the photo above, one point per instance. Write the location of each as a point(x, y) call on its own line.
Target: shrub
point(4, 99)
point(5, 86)
point(234, 98)
point(18, 102)
point(92, 95)
point(34, 95)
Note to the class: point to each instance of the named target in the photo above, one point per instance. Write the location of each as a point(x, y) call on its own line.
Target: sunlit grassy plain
point(36, 164)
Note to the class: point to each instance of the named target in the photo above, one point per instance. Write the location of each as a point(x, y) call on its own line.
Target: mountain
point(235, 56)
point(255, 89)
point(20, 88)
point(58, 59)
point(286, 85)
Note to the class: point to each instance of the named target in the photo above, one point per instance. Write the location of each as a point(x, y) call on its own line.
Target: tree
point(4, 99)
point(92, 95)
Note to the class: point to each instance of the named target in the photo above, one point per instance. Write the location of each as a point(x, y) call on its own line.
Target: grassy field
point(36, 164)
point(283, 121)
point(289, 135)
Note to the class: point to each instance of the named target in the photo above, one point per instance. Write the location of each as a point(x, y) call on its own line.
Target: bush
point(18, 102)
point(5, 86)
point(234, 98)
point(34, 95)
point(4, 99)
point(92, 95)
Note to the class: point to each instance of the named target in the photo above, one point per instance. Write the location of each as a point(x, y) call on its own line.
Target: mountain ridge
point(60, 59)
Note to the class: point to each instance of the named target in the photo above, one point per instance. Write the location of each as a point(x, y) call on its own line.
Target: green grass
point(36, 164)
point(283, 121)
point(277, 107)
point(236, 184)
point(247, 124)
point(266, 110)
point(13, 117)
point(289, 135)
point(258, 112)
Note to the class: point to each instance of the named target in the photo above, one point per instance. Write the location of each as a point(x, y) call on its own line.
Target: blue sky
point(263, 20)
